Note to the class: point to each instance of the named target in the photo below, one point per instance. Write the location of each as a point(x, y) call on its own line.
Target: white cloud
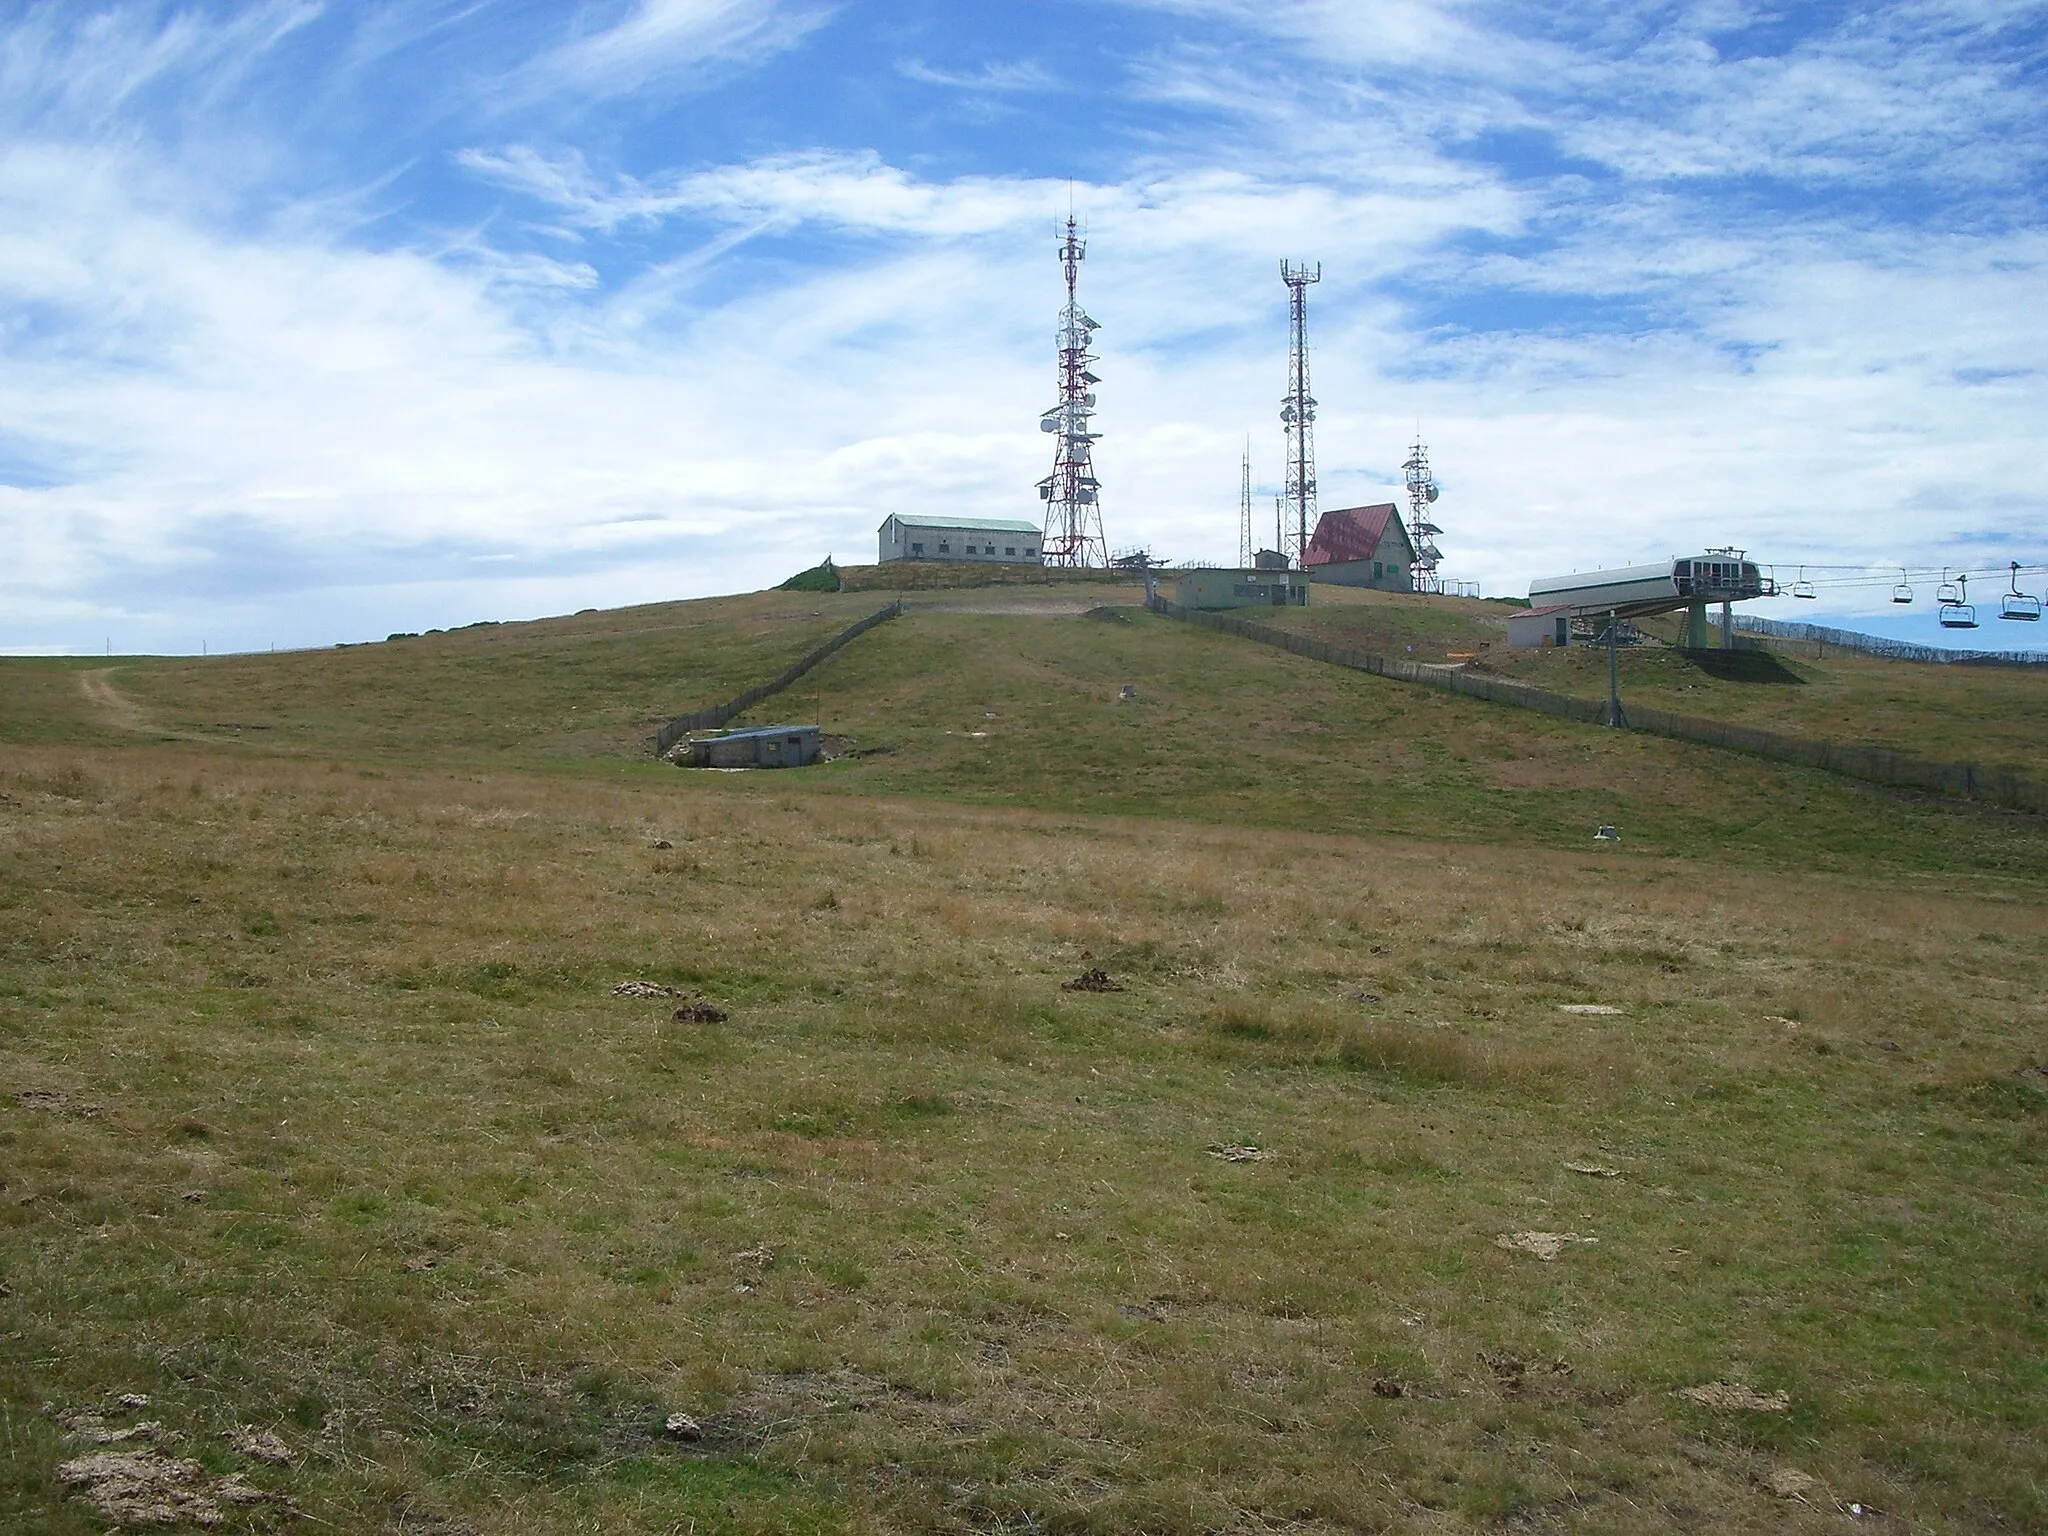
point(659, 43)
point(255, 419)
point(1000, 79)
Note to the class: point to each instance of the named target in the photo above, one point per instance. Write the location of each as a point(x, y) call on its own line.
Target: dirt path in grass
point(114, 707)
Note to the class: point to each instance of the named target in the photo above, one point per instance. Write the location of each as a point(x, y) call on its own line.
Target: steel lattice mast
point(1422, 526)
point(1298, 410)
point(1072, 494)
point(1245, 551)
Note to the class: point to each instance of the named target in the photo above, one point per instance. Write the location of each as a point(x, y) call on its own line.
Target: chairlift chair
point(1903, 592)
point(1947, 592)
point(1958, 614)
point(1802, 587)
point(2017, 604)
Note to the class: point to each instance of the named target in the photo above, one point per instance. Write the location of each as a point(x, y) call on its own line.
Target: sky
point(324, 321)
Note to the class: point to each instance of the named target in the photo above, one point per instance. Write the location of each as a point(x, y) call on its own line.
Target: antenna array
point(1073, 512)
point(1298, 411)
point(1421, 520)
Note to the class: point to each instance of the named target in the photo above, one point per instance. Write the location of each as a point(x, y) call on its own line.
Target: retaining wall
point(1875, 765)
point(710, 719)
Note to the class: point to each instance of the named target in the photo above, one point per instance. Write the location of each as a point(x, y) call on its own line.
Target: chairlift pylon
point(1958, 613)
point(1802, 587)
point(1947, 592)
point(2017, 604)
point(1903, 592)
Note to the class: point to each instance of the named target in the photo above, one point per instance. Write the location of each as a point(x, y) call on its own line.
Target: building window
point(1030, 554)
point(1378, 570)
point(1010, 550)
point(945, 548)
point(917, 549)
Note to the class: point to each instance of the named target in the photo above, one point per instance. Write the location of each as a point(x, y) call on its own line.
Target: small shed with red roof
point(1362, 547)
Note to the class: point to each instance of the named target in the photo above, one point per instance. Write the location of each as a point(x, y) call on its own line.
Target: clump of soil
point(1734, 1395)
point(147, 1487)
point(1092, 981)
point(642, 989)
point(700, 1013)
point(1543, 1245)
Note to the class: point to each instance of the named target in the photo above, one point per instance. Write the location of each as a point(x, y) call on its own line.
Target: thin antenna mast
point(1244, 521)
point(1298, 409)
point(1073, 512)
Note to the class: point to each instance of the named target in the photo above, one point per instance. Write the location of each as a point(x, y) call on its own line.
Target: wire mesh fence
point(1824, 639)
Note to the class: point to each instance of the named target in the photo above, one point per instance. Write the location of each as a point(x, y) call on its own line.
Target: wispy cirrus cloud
point(1647, 276)
point(997, 79)
point(659, 45)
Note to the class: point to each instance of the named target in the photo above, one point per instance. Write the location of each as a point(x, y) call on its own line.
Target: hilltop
point(1251, 1103)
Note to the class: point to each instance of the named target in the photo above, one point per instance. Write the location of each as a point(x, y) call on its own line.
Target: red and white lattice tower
point(1422, 526)
point(1298, 414)
point(1072, 494)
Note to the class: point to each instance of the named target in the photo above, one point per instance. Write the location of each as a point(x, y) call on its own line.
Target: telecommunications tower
point(1421, 520)
point(1073, 510)
point(1245, 552)
point(1298, 412)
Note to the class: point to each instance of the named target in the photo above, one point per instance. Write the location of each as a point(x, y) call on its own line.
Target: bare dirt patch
point(1733, 1396)
point(147, 1487)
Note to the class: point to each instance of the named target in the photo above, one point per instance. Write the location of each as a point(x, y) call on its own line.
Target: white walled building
point(1005, 541)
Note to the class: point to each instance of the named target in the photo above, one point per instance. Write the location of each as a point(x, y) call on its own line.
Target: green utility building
point(1242, 589)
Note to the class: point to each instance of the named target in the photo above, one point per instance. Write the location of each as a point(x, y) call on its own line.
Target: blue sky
point(322, 321)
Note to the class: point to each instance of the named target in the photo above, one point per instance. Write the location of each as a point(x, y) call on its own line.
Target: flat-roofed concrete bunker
point(760, 746)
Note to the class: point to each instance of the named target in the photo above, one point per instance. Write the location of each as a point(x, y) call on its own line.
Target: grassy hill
point(1992, 715)
point(325, 1119)
point(596, 685)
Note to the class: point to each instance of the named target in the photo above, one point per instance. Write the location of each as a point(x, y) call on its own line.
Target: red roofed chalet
point(1362, 547)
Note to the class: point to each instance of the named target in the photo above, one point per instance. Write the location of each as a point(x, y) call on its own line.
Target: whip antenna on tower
point(1298, 411)
point(1072, 494)
point(1244, 520)
point(1421, 520)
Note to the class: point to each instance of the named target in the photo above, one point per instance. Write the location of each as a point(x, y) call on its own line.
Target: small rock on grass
point(642, 989)
point(1733, 1395)
point(1789, 1483)
point(259, 1444)
point(1594, 1170)
point(1600, 1009)
point(1543, 1245)
point(1235, 1152)
point(680, 1426)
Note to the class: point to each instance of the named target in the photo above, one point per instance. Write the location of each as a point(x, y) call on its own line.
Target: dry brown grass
point(466, 1225)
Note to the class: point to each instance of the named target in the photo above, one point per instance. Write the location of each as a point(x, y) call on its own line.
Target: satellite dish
point(1430, 494)
point(1050, 424)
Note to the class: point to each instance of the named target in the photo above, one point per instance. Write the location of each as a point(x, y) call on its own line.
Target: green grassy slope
point(1991, 715)
point(320, 1111)
point(595, 685)
point(1006, 709)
